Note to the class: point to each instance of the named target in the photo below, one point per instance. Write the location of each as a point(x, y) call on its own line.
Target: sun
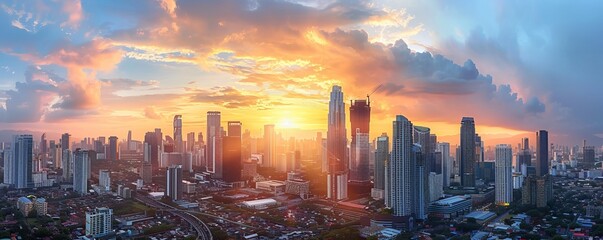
point(286, 123)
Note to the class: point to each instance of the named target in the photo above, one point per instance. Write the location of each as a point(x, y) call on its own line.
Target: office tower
point(98, 222)
point(246, 145)
point(542, 153)
point(420, 187)
point(323, 156)
point(129, 141)
point(146, 172)
point(436, 187)
point(213, 144)
point(104, 180)
point(190, 142)
point(178, 133)
point(524, 158)
point(479, 149)
point(67, 163)
point(65, 141)
point(447, 165)
point(173, 187)
point(52, 153)
point(422, 137)
point(269, 158)
point(43, 145)
point(10, 169)
point(381, 156)
point(81, 171)
point(588, 156)
point(360, 117)
point(467, 161)
point(504, 175)
point(235, 128)
point(537, 191)
point(21, 161)
point(152, 157)
point(359, 160)
point(401, 169)
point(112, 153)
point(337, 179)
point(231, 156)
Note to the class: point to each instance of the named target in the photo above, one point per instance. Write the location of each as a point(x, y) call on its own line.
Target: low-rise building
point(260, 203)
point(451, 207)
point(272, 186)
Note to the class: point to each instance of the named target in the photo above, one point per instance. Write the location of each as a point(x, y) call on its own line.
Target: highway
point(200, 227)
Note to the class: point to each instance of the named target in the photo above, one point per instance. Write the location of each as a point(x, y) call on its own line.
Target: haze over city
point(301, 119)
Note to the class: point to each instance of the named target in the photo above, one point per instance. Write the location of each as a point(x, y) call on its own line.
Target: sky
point(100, 68)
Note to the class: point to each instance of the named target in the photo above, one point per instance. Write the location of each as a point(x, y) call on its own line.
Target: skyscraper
point(337, 179)
point(65, 141)
point(467, 161)
point(231, 156)
point(113, 155)
point(81, 171)
point(447, 165)
point(214, 144)
point(235, 128)
point(424, 162)
point(150, 139)
point(190, 142)
point(360, 116)
point(173, 187)
point(22, 161)
point(129, 141)
point(401, 169)
point(504, 175)
point(588, 156)
point(178, 133)
point(146, 172)
point(269, 158)
point(10, 169)
point(98, 222)
point(381, 156)
point(67, 163)
point(542, 153)
point(43, 145)
point(104, 180)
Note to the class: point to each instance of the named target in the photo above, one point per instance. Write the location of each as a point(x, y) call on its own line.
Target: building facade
point(337, 177)
point(504, 175)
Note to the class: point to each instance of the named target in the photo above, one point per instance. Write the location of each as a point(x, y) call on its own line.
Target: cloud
point(82, 90)
point(30, 100)
point(230, 97)
point(151, 113)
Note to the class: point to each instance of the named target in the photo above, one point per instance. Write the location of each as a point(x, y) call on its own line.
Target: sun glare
point(286, 123)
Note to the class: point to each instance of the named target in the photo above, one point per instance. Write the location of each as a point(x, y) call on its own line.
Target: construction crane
point(368, 96)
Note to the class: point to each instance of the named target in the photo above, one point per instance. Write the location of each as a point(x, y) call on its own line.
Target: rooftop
point(480, 215)
point(260, 202)
point(451, 200)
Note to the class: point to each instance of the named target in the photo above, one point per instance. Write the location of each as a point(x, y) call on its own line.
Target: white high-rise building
point(104, 180)
point(504, 175)
point(401, 169)
point(447, 165)
point(9, 167)
point(214, 144)
point(174, 187)
point(98, 222)
point(269, 159)
point(67, 164)
point(337, 177)
point(436, 189)
point(81, 171)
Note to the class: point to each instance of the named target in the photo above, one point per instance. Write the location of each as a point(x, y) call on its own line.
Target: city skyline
point(119, 78)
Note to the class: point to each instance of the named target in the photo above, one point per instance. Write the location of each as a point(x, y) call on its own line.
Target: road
point(202, 230)
point(501, 217)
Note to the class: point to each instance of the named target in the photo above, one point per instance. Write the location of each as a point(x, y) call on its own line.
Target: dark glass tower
point(542, 153)
point(467, 167)
point(360, 117)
